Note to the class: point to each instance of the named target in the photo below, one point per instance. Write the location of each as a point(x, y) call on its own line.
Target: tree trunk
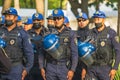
point(97, 4)
point(6, 5)
point(118, 27)
point(84, 6)
point(40, 6)
point(75, 5)
point(16, 4)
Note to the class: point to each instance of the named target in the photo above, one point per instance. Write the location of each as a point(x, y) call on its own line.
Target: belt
point(57, 62)
point(16, 63)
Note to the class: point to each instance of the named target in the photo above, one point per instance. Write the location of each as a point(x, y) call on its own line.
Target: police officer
point(28, 24)
point(51, 24)
point(60, 67)
point(18, 46)
point(19, 21)
point(66, 22)
point(108, 48)
point(2, 21)
point(36, 39)
point(82, 35)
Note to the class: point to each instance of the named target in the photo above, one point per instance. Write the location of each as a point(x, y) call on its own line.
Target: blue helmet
point(58, 13)
point(84, 47)
point(66, 20)
point(11, 11)
point(37, 16)
point(19, 18)
point(82, 15)
point(2, 19)
point(28, 21)
point(99, 14)
point(50, 42)
point(2, 43)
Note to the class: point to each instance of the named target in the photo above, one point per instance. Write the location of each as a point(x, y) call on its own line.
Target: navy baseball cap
point(82, 15)
point(11, 11)
point(37, 16)
point(19, 18)
point(50, 17)
point(58, 13)
point(28, 21)
point(99, 14)
point(66, 20)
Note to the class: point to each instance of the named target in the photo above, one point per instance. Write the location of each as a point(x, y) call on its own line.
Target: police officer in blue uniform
point(51, 24)
point(2, 21)
point(18, 46)
point(67, 22)
point(62, 57)
point(19, 22)
point(36, 39)
point(82, 35)
point(108, 48)
point(38, 21)
point(28, 24)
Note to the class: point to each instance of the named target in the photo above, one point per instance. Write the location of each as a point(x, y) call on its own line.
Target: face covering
point(98, 25)
point(36, 25)
point(8, 23)
point(50, 26)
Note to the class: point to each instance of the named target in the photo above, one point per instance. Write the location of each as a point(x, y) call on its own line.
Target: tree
point(16, 4)
point(75, 5)
point(118, 27)
point(6, 5)
point(40, 6)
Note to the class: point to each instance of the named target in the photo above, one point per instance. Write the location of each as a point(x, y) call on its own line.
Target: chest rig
point(65, 44)
point(14, 44)
point(104, 51)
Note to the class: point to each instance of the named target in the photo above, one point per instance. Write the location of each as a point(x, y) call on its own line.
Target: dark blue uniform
point(106, 42)
point(36, 40)
point(58, 69)
point(18, 46)
point(82, 35)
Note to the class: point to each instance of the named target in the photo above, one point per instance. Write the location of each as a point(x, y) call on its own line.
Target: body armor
point(14, 45)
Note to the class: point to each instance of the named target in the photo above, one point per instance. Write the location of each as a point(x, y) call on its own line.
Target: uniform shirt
point(36, 39)
point(25, 44)
point(82, 35)
point(73, 49)
point(112, 36)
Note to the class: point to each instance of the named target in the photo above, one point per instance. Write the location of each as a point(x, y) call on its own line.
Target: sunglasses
point(81, 20)
point(57, 18)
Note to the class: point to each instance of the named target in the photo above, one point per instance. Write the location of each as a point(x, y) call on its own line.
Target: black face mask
point(50, 26)
point(36, 25)
point(8, 23)
point(98, 25)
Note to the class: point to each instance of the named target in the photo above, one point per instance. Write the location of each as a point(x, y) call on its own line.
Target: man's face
point(50, 22)
point(28, 26)
point(82, 23)
point(59, 21)
point(11, 17)
point(98, 20)
point(39, 21)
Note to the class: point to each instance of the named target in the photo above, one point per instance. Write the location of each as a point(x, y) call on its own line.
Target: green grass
point(117, 76)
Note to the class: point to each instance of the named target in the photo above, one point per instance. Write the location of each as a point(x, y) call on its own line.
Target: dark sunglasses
point(57, 18)
point(81, 20)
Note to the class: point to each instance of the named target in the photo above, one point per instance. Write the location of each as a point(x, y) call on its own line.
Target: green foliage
point(52, 4)
point(117, 76)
